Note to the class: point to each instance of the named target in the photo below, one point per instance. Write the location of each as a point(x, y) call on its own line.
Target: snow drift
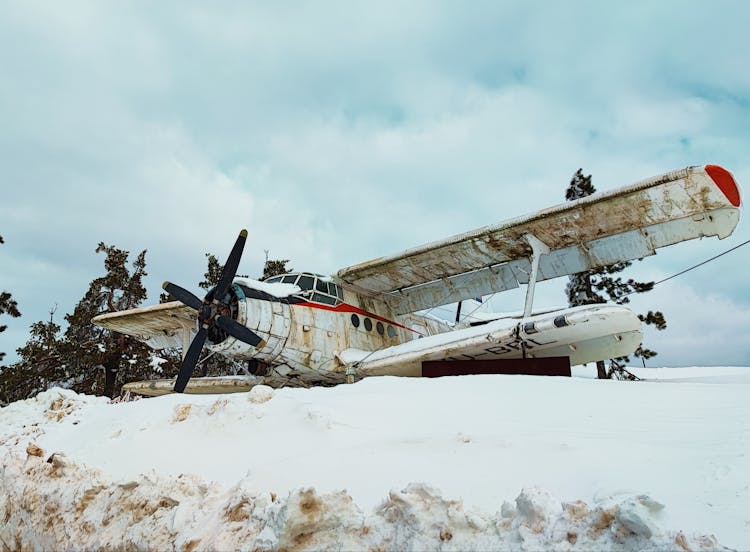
point(387, 463)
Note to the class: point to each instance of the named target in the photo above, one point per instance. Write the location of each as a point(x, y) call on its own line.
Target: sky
point(337, 132)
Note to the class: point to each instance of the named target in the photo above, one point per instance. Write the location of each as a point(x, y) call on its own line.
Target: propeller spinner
point(211, 312)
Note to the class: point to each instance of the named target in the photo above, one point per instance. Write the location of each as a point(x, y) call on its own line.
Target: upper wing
point(599, 230)
point(159, 326)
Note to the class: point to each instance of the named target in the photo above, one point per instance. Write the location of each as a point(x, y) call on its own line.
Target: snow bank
point(311, 469)
point(49, 502)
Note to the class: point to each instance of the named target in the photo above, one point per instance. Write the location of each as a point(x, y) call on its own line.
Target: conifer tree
point(43, 341)
point(87, 358)
point(213, 272)
point(274, 268)
point(102, 359)
point(40, 366)
point(599, 285)
point(8, 306)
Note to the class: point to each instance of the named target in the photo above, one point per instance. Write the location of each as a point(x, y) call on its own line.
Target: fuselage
point(305, 332)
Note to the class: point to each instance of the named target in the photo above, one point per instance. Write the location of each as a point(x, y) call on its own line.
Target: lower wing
point(159, 326)
point(585, 334)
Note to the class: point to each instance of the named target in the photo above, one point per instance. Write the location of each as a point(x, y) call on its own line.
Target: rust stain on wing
point(661, 200)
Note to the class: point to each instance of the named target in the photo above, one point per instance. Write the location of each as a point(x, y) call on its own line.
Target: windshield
point(315, 287)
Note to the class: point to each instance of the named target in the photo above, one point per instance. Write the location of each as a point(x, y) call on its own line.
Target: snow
point(277, 289)
point(459, 463)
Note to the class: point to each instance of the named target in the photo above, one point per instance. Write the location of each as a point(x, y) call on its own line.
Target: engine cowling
point(271, 320)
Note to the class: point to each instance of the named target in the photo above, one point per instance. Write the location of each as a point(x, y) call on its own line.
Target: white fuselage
point(316, 343)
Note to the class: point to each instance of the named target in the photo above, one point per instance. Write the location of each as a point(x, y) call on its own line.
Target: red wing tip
point(725, 181)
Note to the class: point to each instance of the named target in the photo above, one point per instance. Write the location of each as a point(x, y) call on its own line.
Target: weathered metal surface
point(159, 326)
point(196, 386)
point(591, 332)
point(624, 224)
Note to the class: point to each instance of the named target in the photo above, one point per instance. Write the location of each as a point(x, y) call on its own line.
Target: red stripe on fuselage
point(347, 308)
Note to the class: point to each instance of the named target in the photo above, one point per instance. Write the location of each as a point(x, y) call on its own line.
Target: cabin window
point(355, 320)
point(381, 329)
point(274, 280)
point(368, 324)
point(391, 332)
point(320, 285)
point(289, 279)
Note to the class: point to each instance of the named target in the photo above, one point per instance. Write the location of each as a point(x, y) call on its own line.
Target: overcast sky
point(336, 132)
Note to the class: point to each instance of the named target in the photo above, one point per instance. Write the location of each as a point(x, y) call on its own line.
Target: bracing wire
point(680, 273)
point(695, 266)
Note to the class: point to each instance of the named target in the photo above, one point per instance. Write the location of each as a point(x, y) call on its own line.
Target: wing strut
point(538, 248)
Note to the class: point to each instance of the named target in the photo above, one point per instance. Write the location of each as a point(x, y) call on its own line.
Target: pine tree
point(40, 366)
point(8, 306)
point(599, 285)
point(274, 268)
point(213, 272)
point(87, 358)
point(44, 341)
point(101, 359)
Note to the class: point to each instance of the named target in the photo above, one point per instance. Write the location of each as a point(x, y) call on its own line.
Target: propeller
point(210, 313)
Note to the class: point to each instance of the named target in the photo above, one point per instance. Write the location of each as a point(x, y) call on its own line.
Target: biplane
point(305, 329)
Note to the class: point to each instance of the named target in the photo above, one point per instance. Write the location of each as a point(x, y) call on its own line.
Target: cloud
point(338, 133)
point(703, 328)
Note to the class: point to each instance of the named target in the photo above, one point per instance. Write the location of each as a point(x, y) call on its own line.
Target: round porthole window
point(355, 320)
point(391, 332)
point(368, 324)
point(381, 329)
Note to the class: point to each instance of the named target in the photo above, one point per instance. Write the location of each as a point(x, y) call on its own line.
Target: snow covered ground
point(472, 462)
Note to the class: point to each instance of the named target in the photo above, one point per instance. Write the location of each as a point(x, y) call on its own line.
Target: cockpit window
point(313, 287)
point(306, 282)
point(325, 299)
point(335, 290)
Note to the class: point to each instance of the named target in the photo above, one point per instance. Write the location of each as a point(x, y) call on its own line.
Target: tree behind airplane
point(8, 306)
point(599, 286)
point(88, 358)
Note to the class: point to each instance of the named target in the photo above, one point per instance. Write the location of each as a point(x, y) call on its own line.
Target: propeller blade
point(237, 330)
point(182, 295)
point(190, 360)
point(230, 268)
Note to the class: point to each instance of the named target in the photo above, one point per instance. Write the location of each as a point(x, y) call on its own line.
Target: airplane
point(306, 329)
